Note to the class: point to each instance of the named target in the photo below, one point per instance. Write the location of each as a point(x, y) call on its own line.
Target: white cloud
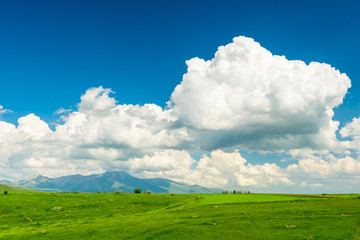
point(244, 98)
point(259, 100)
point(96, 101)
point(33, 127)
point(352, 130)
point(166, 160)
point(122, 127)
point(62, 110)
point(314, 185)
point(220, 169)
point(92, 139)
point(3, 111)
point(320, 168)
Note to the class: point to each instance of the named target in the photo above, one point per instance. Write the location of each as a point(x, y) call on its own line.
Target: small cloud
point(61, 111)
point(316, 185)
point(3, 111)
point(303, 184)
point(284, 160)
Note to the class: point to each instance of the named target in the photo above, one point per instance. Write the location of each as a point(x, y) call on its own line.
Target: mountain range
point(107, 182)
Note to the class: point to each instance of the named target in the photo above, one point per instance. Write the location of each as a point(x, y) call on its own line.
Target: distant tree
point(138, 190)
point(5, 192)
point(144, 191)
point(225, 192)
point(149, 192)
point(119, 191)
point(234, 192)
point(239, 192)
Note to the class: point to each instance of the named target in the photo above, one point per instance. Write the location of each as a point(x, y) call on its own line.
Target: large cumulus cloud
point(244, 98)
point(248, 96)
point(91, 139)
point(99, 122)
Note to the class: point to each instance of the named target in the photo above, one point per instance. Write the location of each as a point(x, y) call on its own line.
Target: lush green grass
point(36, 215)
point(238, 198)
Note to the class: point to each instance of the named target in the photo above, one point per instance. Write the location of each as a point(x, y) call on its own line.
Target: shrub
point(5, 192)
point(138, 190)
point(119, 191)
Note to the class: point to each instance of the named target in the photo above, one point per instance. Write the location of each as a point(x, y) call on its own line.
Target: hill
point(108, 182)
point(8, 188)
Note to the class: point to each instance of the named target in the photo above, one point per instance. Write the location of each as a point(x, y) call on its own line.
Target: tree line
point(236, 192)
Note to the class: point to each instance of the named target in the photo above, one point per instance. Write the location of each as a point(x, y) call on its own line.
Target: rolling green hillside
point(8, 188)
point(37, 215)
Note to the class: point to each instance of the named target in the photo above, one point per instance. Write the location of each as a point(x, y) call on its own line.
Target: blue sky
point(52, 52)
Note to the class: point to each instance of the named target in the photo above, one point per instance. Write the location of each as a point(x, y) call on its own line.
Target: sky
point(248, 95)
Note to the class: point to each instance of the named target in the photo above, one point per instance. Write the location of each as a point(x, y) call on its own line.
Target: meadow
point(39, 215)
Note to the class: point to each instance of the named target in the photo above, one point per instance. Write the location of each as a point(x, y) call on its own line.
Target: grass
point(13, 189)
point(38, 215)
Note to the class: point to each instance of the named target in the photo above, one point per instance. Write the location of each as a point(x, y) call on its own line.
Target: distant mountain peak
point(41, 178)
point(109, 182)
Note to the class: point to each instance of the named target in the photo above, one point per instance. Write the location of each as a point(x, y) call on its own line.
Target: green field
point(37, 215)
